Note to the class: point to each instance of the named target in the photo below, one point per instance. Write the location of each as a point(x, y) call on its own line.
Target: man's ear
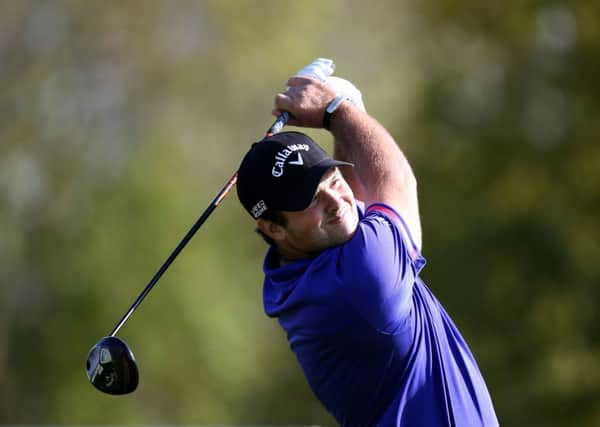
point(271, 229)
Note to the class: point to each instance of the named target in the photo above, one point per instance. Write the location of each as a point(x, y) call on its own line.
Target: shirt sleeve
point(378, 267)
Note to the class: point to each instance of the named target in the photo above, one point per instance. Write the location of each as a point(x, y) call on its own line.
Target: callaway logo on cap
point(282, 156)
point(282, 172)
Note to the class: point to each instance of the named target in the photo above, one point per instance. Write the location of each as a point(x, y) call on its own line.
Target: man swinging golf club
point(342, 269)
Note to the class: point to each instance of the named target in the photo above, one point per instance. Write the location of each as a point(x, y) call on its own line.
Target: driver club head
point(111, 366)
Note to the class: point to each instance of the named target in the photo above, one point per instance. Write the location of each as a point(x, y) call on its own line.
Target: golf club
point(111, 365)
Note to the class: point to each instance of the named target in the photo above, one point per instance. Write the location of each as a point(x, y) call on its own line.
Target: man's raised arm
point(382, 173)
point(380, 166)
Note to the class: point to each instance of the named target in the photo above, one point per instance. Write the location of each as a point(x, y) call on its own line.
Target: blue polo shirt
point(375, 345)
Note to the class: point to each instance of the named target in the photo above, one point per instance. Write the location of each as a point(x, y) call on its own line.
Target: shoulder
point(377, 268)
point(380, 212)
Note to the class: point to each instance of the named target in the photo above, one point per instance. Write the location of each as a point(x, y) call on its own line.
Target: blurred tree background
point(120, 120)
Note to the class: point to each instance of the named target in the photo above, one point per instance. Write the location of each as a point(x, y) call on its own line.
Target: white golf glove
point(322, 69)
point(346, 89)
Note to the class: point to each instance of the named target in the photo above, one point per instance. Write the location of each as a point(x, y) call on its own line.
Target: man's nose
point(333, 199)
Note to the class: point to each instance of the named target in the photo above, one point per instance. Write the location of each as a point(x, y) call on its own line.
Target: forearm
point(382, 172)
point(379, 164)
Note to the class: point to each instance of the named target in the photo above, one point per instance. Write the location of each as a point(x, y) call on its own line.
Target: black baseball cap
point(282, 172)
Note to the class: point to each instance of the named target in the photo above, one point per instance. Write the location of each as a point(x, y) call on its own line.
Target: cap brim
point(302, 197)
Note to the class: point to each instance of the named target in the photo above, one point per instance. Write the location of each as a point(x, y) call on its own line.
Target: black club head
point(111, 366)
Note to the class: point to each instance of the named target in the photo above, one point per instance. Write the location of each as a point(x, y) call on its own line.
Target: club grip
point(279, 123)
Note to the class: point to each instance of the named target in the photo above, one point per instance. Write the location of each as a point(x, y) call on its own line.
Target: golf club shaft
point(275, 128)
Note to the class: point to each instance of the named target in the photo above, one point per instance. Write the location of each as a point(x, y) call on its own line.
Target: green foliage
point(121, 120)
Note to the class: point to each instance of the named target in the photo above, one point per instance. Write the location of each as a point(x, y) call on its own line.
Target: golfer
point(342, 270)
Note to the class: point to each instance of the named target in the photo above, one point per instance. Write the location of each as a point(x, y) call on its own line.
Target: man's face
point(330, 220)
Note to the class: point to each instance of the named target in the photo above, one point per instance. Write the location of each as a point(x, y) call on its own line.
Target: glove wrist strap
point(331, 107)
